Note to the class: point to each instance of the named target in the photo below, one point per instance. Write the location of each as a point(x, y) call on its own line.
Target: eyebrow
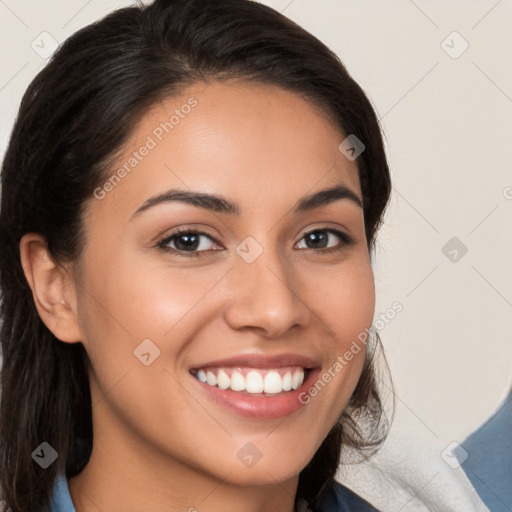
point(221, 204)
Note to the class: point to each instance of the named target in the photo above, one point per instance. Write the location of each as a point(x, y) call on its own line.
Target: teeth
point(211, 379)
point(254, 382)
point(297, 380)
point(223, 381)
point(237, 381)
point(271, 381)
point(287, 381)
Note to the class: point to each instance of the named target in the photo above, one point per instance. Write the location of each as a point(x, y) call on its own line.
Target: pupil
point(317, 236)
point(190, 243)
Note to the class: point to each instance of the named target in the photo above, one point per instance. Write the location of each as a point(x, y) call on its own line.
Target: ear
point(53, 288)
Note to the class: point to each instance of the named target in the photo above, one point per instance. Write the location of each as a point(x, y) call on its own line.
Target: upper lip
point(261, 361)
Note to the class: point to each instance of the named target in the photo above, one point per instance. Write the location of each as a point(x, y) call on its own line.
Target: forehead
point(259, 144)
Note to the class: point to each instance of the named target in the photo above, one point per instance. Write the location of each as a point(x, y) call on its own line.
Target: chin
point(282, 466)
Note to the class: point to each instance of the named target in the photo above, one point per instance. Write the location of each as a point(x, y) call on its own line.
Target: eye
point(187, 242)
point(319, 239)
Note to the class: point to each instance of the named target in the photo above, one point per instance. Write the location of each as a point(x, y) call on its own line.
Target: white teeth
point(237, 381)
point(270, 381)
point(211, 379)
point(287, 381)
point(254, 382)
point(297, 379)
point(223, 380)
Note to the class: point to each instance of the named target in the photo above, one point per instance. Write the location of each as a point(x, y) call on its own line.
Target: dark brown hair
point(74, 117)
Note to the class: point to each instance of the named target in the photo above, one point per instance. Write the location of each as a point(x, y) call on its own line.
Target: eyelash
point(346, 241)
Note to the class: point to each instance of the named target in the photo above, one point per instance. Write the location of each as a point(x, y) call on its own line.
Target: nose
point(266, 295)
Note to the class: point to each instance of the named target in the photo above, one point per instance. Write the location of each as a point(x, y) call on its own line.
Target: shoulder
point(488, 459)
point(338, 498)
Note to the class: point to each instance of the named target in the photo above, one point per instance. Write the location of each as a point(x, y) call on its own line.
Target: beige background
point(448, 123)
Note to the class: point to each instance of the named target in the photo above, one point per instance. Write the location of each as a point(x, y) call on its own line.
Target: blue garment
point(489, 460)
point(336, 498)
point(61, 499)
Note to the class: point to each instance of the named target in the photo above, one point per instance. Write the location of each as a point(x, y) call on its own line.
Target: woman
point(190, 198)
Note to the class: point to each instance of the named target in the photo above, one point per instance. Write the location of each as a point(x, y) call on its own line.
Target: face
point(256, 290)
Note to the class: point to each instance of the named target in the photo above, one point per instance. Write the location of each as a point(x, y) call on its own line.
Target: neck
point(117, 492)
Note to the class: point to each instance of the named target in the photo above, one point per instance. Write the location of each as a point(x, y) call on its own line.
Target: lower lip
point(258, 407)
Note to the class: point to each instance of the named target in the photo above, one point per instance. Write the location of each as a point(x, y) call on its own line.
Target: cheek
point(344, 303)
point(344, 298)
point(126, 300)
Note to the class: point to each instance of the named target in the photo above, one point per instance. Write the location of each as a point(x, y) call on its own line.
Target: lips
point(256, 386)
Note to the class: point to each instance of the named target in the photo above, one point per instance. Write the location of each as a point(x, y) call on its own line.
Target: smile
point(254, 381)
point(256, 386)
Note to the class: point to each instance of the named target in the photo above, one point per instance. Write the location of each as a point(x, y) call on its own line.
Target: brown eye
point(187, 242)
point(319, 239)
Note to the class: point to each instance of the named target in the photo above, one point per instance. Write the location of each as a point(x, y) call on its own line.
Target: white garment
point(410, 475)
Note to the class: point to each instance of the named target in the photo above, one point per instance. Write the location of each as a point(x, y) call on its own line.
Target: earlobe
point(52, 288)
